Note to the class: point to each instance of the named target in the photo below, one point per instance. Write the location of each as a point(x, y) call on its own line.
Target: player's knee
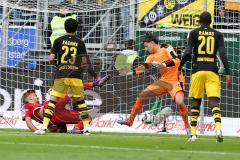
point(144, 95)
point(180, 103)
point(141, 96)
point(195, 107)
point(197, 102)
point(214, 101)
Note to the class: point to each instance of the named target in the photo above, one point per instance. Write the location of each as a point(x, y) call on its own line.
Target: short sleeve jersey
point(205, 42)
point(69, 51)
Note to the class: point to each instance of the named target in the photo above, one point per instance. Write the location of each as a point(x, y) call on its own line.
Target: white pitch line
point(146, 136)
point(120, 148)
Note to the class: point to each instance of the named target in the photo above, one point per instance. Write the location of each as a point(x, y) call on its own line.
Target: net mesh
point(104, 27)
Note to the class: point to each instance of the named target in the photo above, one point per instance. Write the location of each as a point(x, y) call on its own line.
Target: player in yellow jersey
point(204, 42)
point(71, 55)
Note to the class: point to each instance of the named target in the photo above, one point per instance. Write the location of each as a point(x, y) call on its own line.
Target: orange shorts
point(162, 87)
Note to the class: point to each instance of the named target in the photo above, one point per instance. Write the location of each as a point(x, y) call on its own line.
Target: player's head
point(30, 96)
point(71, 25)
point(130, 44)
point(64, 9)
point(205, 18)
point(150, 42)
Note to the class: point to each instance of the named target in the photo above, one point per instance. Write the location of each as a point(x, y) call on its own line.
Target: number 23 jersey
point(69, 51)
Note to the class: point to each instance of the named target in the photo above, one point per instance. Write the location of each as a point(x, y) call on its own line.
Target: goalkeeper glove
point(101, 81)
point(157, 64)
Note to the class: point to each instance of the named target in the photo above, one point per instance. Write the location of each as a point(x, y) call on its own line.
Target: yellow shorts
point(162, 87)
point(204, 80)
point(61, 86)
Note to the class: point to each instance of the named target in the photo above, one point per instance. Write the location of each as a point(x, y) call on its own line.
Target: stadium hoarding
point(108, 123)
point(180, 13)
point(20, 41)
point(232, 5)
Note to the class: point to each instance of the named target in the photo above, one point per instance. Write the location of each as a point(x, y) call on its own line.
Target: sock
point(136, 108)
point(79, 126)
point(81, 107)
point(217, 116)
point(194, 117)
point(48, 113)
point(184, 113)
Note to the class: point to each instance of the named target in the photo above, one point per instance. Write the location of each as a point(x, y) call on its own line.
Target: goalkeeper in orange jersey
point(165, 58)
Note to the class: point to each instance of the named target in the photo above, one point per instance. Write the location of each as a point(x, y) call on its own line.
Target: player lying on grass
point(165, 58)
point(62, 116)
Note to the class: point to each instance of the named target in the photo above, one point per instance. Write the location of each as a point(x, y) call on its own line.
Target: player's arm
point(86, 60)
point(51, 58)
point(222, 52)
point(188, 51)
point(141, 69)
point(30, 125)
point(224, 60)
point(90, 69)
point(172, 56)
point(53, 53)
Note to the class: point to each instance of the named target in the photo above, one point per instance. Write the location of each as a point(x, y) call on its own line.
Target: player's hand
point(229, 80)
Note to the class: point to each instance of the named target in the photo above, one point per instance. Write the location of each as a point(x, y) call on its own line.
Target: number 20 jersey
point(69, 51)
point(205, 42)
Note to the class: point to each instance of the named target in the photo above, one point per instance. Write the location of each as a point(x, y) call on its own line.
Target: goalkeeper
point(165, 58)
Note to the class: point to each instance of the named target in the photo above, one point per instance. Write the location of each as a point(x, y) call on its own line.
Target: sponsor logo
point(185, 19)
point(169, 4)
point(232, 39)
point(182, 1)
point(103, 123)
point(160, 11)
point(11, 120)
point(152, 16)
point(168, 38)
point(146, 20)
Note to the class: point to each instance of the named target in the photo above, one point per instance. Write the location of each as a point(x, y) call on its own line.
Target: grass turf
point(22, 145)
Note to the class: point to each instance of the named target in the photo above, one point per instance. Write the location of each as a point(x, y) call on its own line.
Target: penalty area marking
point(120, 148)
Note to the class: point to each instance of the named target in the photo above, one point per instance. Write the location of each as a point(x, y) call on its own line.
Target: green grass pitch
point(24, 145)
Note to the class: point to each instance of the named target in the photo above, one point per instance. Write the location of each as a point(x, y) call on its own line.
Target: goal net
point(105, 26)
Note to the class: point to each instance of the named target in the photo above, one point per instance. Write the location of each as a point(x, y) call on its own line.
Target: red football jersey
point(30, 110)
point(60, 115)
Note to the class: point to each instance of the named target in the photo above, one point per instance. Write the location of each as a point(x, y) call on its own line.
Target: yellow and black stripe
point(48, 112)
